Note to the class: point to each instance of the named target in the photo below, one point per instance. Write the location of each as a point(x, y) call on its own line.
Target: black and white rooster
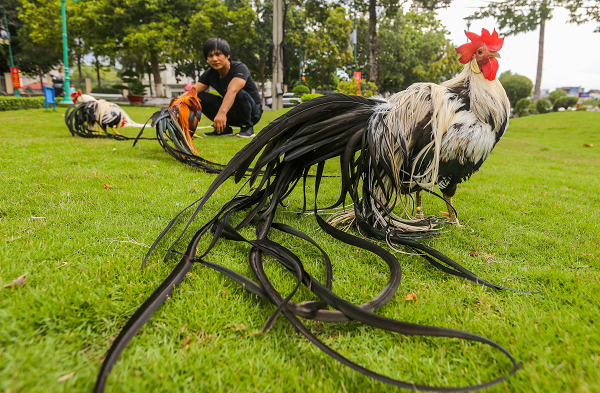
point(424, 136)
point(102, 113)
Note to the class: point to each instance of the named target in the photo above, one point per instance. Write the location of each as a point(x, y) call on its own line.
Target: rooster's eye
point(479, 52)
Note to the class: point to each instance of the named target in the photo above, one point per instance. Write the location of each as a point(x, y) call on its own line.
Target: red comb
point(493, 42)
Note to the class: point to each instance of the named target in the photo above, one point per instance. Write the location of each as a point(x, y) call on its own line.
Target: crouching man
point(241, 103)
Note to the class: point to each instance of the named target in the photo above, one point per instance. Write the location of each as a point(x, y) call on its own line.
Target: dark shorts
point(243, 112)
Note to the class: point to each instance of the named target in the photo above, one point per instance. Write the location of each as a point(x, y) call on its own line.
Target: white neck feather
point(488, 98)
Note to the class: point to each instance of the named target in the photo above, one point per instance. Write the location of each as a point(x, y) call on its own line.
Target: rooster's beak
point(494, 54)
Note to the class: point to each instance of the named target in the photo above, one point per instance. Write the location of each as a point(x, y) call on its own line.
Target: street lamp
point(468, 19)
point(5, 35)
point(65, 54)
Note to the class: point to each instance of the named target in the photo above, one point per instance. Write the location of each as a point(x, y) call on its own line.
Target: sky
point(571, 52)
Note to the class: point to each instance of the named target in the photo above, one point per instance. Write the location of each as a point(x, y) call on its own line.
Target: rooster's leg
point(451, 214)
point(419, 206)
point(116, 132)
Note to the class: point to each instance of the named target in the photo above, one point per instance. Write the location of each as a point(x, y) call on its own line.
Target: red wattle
point(489, 69)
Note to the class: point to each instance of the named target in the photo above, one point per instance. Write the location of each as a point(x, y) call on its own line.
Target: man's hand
point(220, 122)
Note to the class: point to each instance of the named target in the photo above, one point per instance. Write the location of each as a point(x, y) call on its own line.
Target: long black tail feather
point(308, 135)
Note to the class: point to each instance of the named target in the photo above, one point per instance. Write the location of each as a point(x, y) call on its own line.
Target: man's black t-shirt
point(237, 69)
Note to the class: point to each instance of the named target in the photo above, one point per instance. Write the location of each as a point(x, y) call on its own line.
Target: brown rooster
point(186, 109)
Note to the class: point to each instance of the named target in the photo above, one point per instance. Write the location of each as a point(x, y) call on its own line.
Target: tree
point(556, 94)
point(42, 36)
point(260, 61)
point(516, 86)
point(212, 18)
point(413, 48)
point(582, 11)
point(328, 43)
point(387, 8)
point(87, 31)
point(14, 25)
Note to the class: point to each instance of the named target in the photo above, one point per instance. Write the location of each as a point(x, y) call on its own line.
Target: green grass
point(531, 223)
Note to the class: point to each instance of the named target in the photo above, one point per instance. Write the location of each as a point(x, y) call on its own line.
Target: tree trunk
point(322, 80)
point(98, 72)
point(538, 76)
point(150, 84)
point(41, 75)
point(261, 70)
point(373, 65)
point(80, 74)
point(286, 70)
point(156, 74)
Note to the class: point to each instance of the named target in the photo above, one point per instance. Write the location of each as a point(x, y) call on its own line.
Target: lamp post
point(6, 37)
point(354, 38)
point(468, 19)
point(300, 68)
point(65, 55)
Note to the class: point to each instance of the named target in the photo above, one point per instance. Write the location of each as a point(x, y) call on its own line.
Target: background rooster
point(424, 136)
point(175, 129)
point(91, 112)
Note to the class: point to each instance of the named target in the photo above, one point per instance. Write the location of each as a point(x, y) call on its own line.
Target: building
point(172, 86)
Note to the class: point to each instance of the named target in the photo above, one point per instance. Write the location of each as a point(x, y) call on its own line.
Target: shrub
point(307, 97)
point(591, 102)
point(134, 85)
point(14, 103)
point(543, 106)
point(522, 107)
point(516, 86)
point(300, 90)
point(582, 108)
point(367, 89)
point(556, 94)
point(107, 90)
point(565, 102)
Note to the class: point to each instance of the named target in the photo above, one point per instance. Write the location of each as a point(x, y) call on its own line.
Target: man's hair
point(216, 43)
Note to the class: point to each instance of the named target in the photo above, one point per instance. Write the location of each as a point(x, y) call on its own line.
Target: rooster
point(176, 127)
point(424, 136)
point(103, 113)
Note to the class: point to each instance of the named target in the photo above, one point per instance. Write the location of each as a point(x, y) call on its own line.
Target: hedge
point(543, 106)
point(14, 103)
point(300, 90)
point(106, 90)
point(307, 97)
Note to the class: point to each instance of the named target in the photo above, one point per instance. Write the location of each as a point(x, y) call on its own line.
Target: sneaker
point(246, 132)
point(228, 131)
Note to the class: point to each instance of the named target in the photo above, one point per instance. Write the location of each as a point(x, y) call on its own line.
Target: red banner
point(357, 76)
point(14, 71)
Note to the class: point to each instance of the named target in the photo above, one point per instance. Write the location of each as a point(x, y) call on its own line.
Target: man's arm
point(200, 87)
point(220, 121)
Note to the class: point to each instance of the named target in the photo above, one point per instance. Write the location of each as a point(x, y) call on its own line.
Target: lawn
point(77, 215)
